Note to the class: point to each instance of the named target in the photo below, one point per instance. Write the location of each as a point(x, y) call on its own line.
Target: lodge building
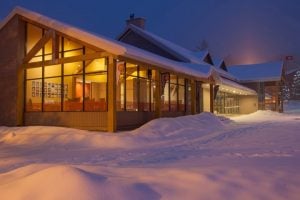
point(55, 74)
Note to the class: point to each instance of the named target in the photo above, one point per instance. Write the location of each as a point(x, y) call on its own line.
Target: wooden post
point(55, 46)
point(20, 74)
point(193, 97)
point(277, 98)
point(157, 94)
point(211, 97)
point(112, 111)
point(261, 95)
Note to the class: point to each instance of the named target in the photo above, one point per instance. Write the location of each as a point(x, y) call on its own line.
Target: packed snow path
point(193, 157)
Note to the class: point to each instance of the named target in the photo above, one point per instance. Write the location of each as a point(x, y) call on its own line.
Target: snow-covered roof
point(262, 72)
point(229, 85)
point(217, 61)
point(202, 70)
point(197, 69)
point(174, 49)
point(105, 43)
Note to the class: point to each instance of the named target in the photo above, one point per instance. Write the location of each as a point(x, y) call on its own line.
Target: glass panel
point(120, 86)
point(34, 34)
point(180, 81)
point(144, 72)
point(34, 73)
point(95, 92)
point(73, 93)
point(34, 95)
point(96, 65)
point(153, 90)
point(131, 93)
point(37, 58)
point(173, 79)
point(53, 70)
point(144, 93)
point(189, 97)
point(173, 96)
point(181, 99)
point(52, 94)
point(70, 45)
point(165, 98)
point(72, 48)
point(131, 69)
point(73, 68)
point(71, 53)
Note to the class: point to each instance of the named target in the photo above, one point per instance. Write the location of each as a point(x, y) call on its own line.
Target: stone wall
point(11, 74)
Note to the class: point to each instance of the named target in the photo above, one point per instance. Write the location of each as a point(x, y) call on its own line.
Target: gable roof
point(262, 72)
point(174, 49)
point(199, 69)
point(100, 41)
point(117, 48)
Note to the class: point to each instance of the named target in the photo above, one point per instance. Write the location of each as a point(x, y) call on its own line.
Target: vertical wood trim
point(21, 84)
point(211, 97)
point(40, 44)
point(55, 46)
point(157, 94)
point(111, 121)
point(193, 97)
point(277, 97)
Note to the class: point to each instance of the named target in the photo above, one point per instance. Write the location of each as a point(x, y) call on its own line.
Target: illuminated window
point(34, 89)
point(96, 65)
point(52, 88)
point(95, 93)
point(173, 93)
point(181, 95)
point(188, 96)
point(34, 34)
point(120, 93)
point(72, 48)
point(165, 97)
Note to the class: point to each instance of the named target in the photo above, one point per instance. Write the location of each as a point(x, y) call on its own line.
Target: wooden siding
point(81, 120)
point(11, 74)
point(138, 41)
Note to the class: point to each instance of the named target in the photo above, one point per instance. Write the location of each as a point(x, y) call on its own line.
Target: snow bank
point(261, 116)
point(256, 156)
point(172, 127)
point(59, 136)
point(67, 182)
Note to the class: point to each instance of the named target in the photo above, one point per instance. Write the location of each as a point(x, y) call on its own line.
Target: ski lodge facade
point(58, 75)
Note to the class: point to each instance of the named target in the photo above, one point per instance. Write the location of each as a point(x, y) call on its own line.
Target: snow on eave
point(227, 82)
point(261, 72)
point(266, 79)
point(200, 71)
point(102, 42)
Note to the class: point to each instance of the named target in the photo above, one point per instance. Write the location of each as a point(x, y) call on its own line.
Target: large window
point(165, 97)
point(226, 103)
point(135, 87)
point(52, 88)
point(173, 92)
point(76, 86)
point(34, 84)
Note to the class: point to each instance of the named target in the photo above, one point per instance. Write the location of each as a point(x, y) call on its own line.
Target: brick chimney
point(138, 21)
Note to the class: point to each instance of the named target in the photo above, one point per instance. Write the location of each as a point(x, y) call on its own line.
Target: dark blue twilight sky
point(247, 31)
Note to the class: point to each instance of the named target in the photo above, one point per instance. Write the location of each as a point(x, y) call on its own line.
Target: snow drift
point(202, 156)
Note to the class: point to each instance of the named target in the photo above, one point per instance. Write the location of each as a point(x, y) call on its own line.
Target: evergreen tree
point(296, 85)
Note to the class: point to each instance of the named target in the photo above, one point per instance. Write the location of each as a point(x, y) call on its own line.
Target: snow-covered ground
point(255, 156)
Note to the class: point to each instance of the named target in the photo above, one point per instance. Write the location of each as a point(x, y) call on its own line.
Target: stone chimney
point(139, 21)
